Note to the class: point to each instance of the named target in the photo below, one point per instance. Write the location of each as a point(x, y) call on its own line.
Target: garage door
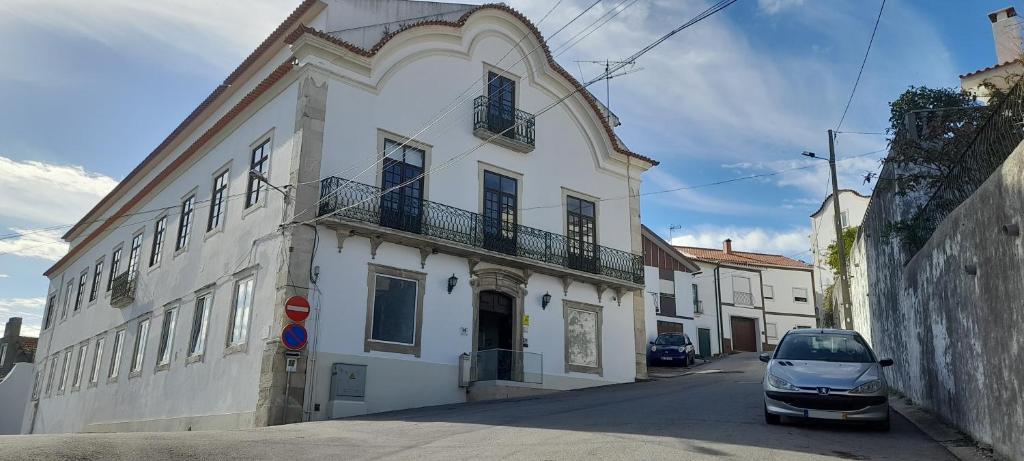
point(744, 334)
point(669, 327)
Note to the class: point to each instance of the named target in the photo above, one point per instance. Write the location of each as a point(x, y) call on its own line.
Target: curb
point(955, 442)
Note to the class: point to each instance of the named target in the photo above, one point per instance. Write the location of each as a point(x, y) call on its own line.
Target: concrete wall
point(955, 337)
point(15, 391)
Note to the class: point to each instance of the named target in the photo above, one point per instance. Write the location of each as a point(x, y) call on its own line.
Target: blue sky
point(89, 88)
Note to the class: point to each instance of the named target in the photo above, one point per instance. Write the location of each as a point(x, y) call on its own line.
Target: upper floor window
point(402, 184)
point(50, 306)
point(220, 192)
point(83, 280)
point(97, 275)
point(255, 187)
point(581, 219)
point(68, 291)
point(501, 105)
point(800, 295)
point(159, 231)
point(697, 308)
point(769, 292)
point(844, 219)
point(115, 265)
point(500, 212)
point(240, 311)
point(133, 255)
point(741, 291)
point(185, 222)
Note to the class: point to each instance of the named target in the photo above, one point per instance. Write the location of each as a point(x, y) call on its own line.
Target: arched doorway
point(497, 324)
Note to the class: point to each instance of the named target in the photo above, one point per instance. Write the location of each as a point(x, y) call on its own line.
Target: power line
point(700, 17)
point(862, 63)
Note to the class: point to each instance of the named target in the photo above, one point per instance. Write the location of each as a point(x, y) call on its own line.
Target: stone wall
point(954, 333)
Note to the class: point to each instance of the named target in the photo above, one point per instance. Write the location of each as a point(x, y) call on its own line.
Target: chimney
point(13, 328)
point(1006, 30)
point(727, 246)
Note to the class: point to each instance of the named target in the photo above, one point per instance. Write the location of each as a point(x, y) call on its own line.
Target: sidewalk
point(958, 444)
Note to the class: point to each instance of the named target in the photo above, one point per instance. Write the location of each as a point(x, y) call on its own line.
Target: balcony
point(122, 290)
point(508, 365)
point(503, 124)
point(425, 224)
point(741, 298)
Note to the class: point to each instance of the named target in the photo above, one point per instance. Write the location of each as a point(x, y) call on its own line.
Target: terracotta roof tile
point(741, 257)
point(992, 67)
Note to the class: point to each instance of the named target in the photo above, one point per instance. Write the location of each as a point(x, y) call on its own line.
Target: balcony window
point(133, 255)
point(581, 218)
point(741, 294)
point(496, 118)
point(402, 179)
point(500, 212)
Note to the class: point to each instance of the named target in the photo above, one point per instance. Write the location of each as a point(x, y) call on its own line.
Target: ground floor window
point(582, 337)
point(394, 310)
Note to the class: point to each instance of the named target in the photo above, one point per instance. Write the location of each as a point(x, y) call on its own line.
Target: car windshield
point(669, 340)
point(825, 347)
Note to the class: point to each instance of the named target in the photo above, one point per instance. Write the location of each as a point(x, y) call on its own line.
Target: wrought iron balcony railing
point(491, 117)
point(742, 298)
point(360, 202)
point(122, 290)
point(508, 365)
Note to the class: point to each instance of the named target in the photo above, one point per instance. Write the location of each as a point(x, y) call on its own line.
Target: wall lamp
point(452, 281)
point(545, 300)
point(1011, 230)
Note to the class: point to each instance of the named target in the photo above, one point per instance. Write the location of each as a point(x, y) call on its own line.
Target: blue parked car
point(671, 348)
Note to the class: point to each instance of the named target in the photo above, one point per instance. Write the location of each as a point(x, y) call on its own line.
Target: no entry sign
point(294, 337)
point(297, 308)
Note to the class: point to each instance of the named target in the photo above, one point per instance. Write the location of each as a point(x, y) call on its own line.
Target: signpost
point(297, 308)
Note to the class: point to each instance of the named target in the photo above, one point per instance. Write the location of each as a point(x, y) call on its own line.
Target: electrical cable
point(862, 63)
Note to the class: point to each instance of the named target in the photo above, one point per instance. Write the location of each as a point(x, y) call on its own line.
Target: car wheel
point(770, 418)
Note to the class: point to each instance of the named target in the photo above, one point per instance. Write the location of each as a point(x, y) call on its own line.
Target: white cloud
point(34, 244)
point(3, 276)
point(775, 6)
point(658, 179)
point(49, 193)
point(794, 242)
point(29, 309)
point(816, 179)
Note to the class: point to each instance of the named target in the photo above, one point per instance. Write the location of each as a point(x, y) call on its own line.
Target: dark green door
point(704, 343)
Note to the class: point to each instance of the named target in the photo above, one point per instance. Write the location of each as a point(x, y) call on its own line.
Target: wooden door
point(744, 334)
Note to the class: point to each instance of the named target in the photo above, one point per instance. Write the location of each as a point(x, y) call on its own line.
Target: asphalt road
point(715, 413)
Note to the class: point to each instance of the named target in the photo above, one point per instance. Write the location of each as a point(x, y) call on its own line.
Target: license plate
point(668, 358)
point(824, 414)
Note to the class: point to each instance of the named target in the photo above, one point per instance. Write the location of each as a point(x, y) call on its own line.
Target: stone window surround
point(503, 281)
point(267, 137)
point(243, 346)
point(171, 306)
point(566, 193)
point(427, 149)
point(596, 309)
point(373, 270)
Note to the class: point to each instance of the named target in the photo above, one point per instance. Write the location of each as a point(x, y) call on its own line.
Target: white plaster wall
point(248, 240)
point(823, 234)
point(15, 393)
point(705, 280)
point(794, 313)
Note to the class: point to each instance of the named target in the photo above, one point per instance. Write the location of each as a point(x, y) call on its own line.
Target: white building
point(749, 300)
point(1006, 34)
point(852, 206)
point(669, 287)
point(467, 241)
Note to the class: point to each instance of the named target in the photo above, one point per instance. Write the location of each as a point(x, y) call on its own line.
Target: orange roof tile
point(741, 257)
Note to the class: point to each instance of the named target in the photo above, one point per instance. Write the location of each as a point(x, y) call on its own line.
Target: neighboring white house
point(669, 287)
point(751, 299)
point(852, 206)
point(1006, 34)
point(463, 257)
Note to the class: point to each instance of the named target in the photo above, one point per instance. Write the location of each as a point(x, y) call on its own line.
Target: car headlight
point(681, 348)
point(779, 383)
point(654, 348)
point(869, 387)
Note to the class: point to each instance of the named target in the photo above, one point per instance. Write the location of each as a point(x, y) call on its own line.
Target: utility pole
point(843, 280)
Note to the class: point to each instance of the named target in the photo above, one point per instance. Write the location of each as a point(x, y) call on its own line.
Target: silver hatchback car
point(825, 374)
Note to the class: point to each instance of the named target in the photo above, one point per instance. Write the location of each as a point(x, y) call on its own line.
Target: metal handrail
point(122, 289)
point(361, 202)
point(503, 119)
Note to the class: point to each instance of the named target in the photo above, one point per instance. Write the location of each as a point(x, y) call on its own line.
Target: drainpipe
point(718, 309)
point(764, 317)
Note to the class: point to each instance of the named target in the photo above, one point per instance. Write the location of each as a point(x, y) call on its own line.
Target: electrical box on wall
point(348, 381)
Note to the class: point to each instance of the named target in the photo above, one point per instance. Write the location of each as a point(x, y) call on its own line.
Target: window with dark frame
point(133, 256)
point(697, 308)
point(188, 211)
point(800, 295)
point(50, 305)
point(581, 218)
point(68, 291)
point(159, 231)
point(163, 352)
point(97, 275)
point(402, 171)
point(97, 364)
point(139, 351)
point(83, 279)
point(667, 302)
point(500, 210)
point(254, 187)
point(394, 310)
point(200, 320)
point(501, 105)
point(220, 190)
point(115, 264)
